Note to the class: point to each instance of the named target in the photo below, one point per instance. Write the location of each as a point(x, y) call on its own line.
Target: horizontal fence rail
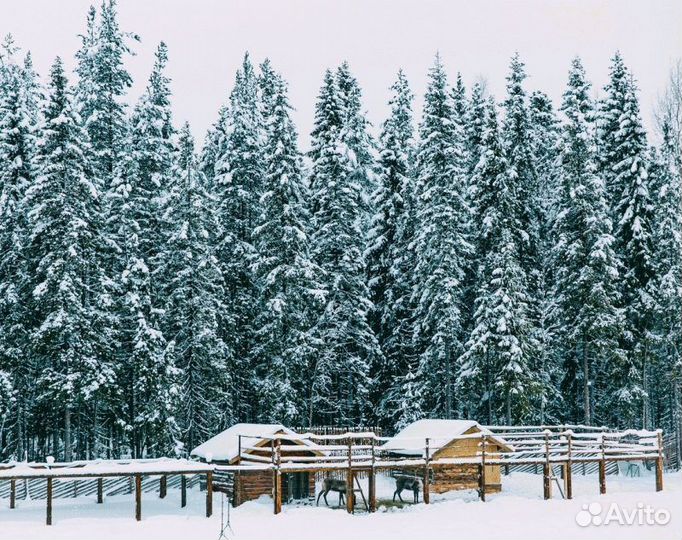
point(26, 481)
point(539, 448)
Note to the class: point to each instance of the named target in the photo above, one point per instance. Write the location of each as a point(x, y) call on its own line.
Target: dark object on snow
point(404, 482)
point(332, 484)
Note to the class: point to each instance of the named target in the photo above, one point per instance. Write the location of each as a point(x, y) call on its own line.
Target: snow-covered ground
point(518, 512)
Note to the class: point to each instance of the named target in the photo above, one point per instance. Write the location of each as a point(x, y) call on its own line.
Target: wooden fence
point(352, 453)
point(89, 477)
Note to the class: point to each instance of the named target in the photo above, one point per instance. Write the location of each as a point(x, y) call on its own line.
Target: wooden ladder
point(358, 489)
point(556, 479)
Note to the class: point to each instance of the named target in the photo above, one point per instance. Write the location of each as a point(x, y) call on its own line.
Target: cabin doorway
point(296, 486)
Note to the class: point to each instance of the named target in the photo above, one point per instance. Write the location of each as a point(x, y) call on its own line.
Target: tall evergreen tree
point(666, 378)
point(389, 252)
point(103, 83)
point(287, 281)
point(152, 150)
point(17, 172)
point(498, 350)
point(442, 246)
point(65, 223)
point(475, 124)
point(587, 269)
point(145, 375)
point(239, 185)
point(340, 373)
point(623, 146)
point(544, 128)
point(518, 142)
point(194, 297)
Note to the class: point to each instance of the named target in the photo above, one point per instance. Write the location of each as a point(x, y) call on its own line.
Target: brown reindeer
point(332, 484)
point(403, 482)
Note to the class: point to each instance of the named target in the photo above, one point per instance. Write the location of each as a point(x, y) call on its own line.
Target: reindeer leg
point(325, 498)
point(394, 494)
point(400, 496)
point(318, 498)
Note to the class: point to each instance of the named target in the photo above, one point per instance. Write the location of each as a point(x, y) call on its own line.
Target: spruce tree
point(69, 301)
point(287, 281)
point(632, 211)
point(667, 373)
point(145, 374)
point(475, 123)
point(152, 149)
point(239, 183)
point(442, 244)
point(544, 128)
point(18, 171)
point(587, 269)
point(518, 142)
point(193, 305)
point(389, 253)
point(102, 86)
point(340, 372)
point(496, 360)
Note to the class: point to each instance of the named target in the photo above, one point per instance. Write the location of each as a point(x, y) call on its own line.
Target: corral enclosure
point(251, 460)
point(443, 454)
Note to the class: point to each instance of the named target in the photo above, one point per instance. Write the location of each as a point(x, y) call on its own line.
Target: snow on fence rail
point(94, 473)
point(364, 453)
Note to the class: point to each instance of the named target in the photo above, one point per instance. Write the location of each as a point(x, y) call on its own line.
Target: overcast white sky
point(207, 39)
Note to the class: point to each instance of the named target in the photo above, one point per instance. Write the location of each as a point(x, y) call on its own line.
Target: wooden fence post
point(546, 471)
point(138, 497)
point(236, 497)
point(183, 491)
point(48, 520)
point(163, 484)
point(481, 469)
point(602, 467)
point(659, 463)
point(100, 490)
point(276, 475)
point(209, 494)
point(350, 502)
point(427, 494)
point(372, 483)
point(568, 474)
point(12, 493)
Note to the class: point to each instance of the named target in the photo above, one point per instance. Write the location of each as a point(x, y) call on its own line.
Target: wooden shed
point(224, 449)
point(443, 443)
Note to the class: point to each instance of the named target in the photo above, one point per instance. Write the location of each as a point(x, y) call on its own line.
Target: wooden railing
point(91, 476)
point(546, 446)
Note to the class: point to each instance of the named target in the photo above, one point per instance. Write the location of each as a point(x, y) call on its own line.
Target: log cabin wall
point(249, 485)
point(466, 476)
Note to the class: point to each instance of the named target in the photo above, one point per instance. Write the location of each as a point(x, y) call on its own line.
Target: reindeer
point(403, 482)
point(332, 484)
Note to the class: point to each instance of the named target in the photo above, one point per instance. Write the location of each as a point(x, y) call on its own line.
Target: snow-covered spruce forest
point(500, 258)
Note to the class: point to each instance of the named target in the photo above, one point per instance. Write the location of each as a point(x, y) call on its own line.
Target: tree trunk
point(646, 402)
point(67, 434)
point(448, 384)
point(508, 399)
point(488, 389)
point(586, 384)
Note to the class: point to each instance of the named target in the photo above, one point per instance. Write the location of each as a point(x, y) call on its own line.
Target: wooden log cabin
point(443, 443)
point(224, 449)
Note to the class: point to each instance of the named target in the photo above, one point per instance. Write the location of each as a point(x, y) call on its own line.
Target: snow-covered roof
point(225, 445)
point(411, 440)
